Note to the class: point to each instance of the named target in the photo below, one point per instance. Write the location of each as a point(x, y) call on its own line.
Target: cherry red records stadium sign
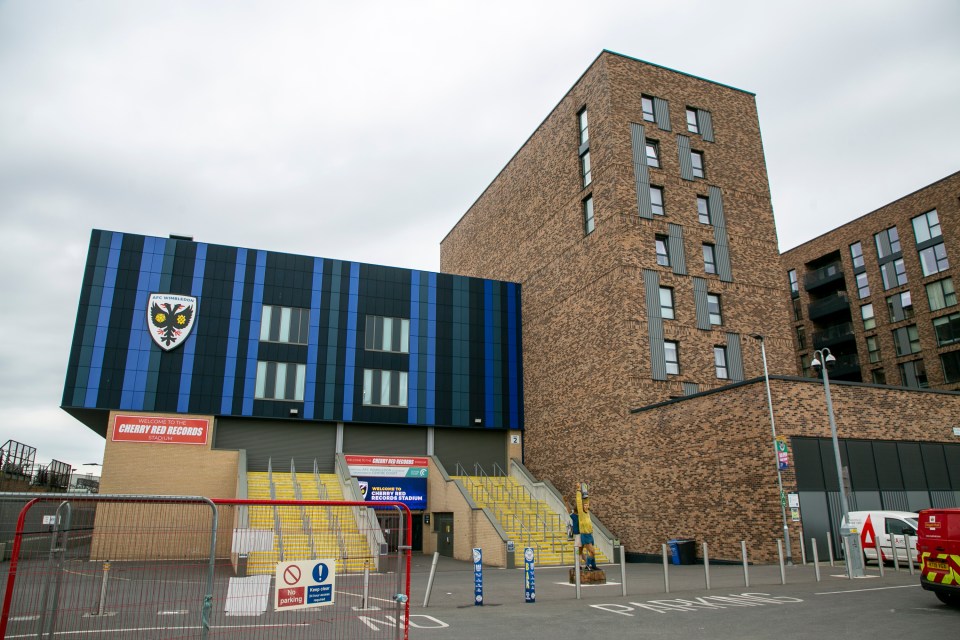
point(163, 429)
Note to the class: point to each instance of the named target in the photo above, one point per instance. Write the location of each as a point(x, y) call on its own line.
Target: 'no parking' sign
point(304, 584)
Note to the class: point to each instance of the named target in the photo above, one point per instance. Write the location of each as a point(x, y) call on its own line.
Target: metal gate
point(151, 567)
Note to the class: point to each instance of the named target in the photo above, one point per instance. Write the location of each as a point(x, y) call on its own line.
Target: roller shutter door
point(471, 446)
point(387, 440)
point(280, 440)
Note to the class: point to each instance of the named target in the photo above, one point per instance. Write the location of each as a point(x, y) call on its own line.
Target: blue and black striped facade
point(464, 363)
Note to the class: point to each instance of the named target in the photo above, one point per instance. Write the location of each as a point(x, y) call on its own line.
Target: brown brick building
point(879, 292)
point(637, 219)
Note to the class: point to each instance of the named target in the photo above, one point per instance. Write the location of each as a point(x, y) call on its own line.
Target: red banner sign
point(387, 461)
point(164, 429)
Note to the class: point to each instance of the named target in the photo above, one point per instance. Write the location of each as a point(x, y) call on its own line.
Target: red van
point(938, 544)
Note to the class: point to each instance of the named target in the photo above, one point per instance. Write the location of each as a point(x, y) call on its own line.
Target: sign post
point(530, 587)
point(478, 577)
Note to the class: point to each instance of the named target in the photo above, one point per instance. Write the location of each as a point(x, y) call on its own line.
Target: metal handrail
point(304, 518)
point(277, 529)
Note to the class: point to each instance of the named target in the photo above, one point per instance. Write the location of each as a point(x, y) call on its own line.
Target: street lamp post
point(773, 430)
point(823, 360)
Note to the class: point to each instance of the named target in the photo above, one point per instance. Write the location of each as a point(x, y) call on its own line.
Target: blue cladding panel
point(103, 320)
point(465, 343)
point(413, 377)
point(310, 392)
point(253, 341)
point(488, 403)
point(432, 350)
point(513, 356)
point(351, 344)
point(233, 335)
point(190, 346)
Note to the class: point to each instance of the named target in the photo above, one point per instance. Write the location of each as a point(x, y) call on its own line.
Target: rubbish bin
point(682, 551)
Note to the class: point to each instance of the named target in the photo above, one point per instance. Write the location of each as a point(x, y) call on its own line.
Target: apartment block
point(637, 219)
point(879, 292)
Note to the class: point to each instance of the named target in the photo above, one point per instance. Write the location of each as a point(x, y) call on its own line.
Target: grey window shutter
point(661, 113)
point(734, 358)
point(903, 341)
point(700, 302)
point(885, 247)
point(683, 154)
point(897, 311)
point(658, 359)
point(705, 122)
point(678, 259)
point(690, 388)
point(722, 245)
point(641, 174)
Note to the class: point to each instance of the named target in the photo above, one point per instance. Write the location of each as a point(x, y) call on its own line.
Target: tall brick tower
point(637, 219)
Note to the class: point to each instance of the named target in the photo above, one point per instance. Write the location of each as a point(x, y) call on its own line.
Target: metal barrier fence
point(150, 567)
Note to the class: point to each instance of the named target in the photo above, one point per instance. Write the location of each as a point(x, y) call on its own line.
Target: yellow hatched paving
point(527, 521)
point(335, 531)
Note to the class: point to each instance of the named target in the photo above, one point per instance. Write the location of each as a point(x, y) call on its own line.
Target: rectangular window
point(703, 209)
point(893, 273)
point(907, 340)
point(863, 286)
point(951, 366)
point(869, 321)
point(797, 310)
point(713, 308)
point(900, 306)
point(934, 259)
point(794, 283)
point(856, 254)
point(941, 294)
point(888, 242)
point(653, 154)
point(284, 324)
point(709, 259)
point(387, 334)
point(584, 126)
point(926, 226)
point(663, 251)
point(656, 200)
point(382, 388)
point(801, 337)
point(585, 167)
point(588, 223)
point(692, 125)
point(280, 381)
point(647, 105)
point(720, 362)
point(913, 374)
point(947, 329)
point(873, 348)
point(696, 158)
point(666, 303)
point(671, 352)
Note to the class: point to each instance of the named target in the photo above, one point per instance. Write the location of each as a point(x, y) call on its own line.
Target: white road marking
point(903, 586)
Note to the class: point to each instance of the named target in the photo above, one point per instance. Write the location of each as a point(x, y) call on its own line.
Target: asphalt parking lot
point(870, 607)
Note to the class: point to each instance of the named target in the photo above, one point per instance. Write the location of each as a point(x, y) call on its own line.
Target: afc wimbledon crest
point(170, 318)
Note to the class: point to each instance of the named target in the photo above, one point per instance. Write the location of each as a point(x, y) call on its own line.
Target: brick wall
point(140, 468)
point(704, 467)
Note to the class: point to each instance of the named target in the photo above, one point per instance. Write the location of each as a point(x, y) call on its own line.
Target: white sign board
point(304, 584)
point(49, 519)
point(956, 431)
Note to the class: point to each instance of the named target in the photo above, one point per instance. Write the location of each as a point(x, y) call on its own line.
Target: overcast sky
point(363, 130)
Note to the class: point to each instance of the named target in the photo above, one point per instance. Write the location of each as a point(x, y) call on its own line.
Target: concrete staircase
point(527, 521)
point(306, 533)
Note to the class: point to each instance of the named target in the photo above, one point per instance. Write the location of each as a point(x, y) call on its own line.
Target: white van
point(877, 528)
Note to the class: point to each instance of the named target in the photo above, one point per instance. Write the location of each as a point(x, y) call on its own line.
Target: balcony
point(828, 305)
point(846, 367)
point(833, 335)
point(823, 276)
